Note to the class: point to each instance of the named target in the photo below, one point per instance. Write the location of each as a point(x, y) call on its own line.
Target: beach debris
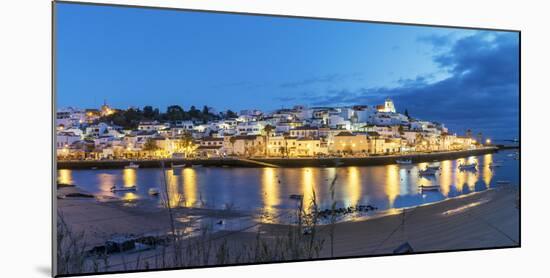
point(153, 192)
point(78, 195)
point(344, 211)
point(296, 196)
point(404, 248)
point(63, 185)
point(120, 244)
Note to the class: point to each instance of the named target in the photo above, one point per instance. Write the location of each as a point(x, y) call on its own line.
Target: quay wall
point(278, 162)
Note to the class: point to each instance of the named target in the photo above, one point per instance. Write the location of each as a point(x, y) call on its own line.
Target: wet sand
point(103, 217)
point(478, 220)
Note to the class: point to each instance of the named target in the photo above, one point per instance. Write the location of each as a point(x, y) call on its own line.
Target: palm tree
point(268, 129)
point(419, 139)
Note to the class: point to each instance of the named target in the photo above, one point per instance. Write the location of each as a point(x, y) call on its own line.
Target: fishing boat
point(153, 191)
point(503, 182)
point(428, 172)
point(180, 166)
point(124, 188)
point(132, 165)
point(429, 188)
point(403, 161)
point(466, 167)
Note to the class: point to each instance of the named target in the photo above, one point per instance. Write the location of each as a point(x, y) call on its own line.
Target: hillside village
point(362, 130)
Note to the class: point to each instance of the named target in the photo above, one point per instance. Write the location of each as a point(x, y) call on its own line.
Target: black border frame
point(53, 135)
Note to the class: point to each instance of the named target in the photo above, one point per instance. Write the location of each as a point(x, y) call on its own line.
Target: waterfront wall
point(278, 162)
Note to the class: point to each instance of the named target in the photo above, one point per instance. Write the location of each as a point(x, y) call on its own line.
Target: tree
point(150, 145)
point(175, 113)
point(268, 129)
point(232, 140)
point(479, 137)
point(230, 114)
point(148, 112)
point(194, 113)
point(186, 145)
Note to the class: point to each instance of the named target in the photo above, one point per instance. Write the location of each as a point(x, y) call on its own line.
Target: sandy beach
point(477, 220)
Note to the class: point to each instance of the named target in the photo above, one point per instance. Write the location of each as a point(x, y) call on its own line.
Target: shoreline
point(93, 208)
point(277, 162)
point(486, 219)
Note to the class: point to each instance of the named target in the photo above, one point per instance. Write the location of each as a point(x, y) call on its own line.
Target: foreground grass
point(301, 241)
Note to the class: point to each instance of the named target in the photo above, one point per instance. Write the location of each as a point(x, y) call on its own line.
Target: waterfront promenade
point(278, 162)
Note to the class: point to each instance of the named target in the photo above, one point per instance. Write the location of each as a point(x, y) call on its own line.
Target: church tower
point(388, 106)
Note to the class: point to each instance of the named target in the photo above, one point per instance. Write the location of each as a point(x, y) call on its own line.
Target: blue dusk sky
point(138, 56)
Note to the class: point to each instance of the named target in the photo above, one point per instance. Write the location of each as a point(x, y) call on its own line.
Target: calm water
point(268, 189)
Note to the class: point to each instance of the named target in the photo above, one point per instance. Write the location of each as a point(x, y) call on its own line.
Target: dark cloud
point(482, 92)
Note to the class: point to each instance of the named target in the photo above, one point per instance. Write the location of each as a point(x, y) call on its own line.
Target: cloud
point(437, 41)
point(481, 93)
point(329, 78)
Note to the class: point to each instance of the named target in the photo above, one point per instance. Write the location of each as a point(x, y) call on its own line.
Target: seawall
point(280, 162)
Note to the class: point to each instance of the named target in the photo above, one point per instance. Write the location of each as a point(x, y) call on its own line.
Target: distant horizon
point(463, 78)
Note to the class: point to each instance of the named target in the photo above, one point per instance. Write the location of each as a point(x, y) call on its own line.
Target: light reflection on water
point(268, 189)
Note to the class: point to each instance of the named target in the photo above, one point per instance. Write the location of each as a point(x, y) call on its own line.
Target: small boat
point(433, 167)
point(429, 188)
point(494, 165)
point(428, 172)
point(132, 165)
point(403, 161)
point(123, 189)
point(153, 192)
point(296, 196)
point(465, 167)
point(503, 182)
point(181, 166)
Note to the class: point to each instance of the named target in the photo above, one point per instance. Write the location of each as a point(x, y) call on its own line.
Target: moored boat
point(468, 166)
point(403, 161)
point(153, 192)
point(132, 165)
point(123, 189)
point(428, 172)
point(181, 166)
point(503, 182)
point(429, 188)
